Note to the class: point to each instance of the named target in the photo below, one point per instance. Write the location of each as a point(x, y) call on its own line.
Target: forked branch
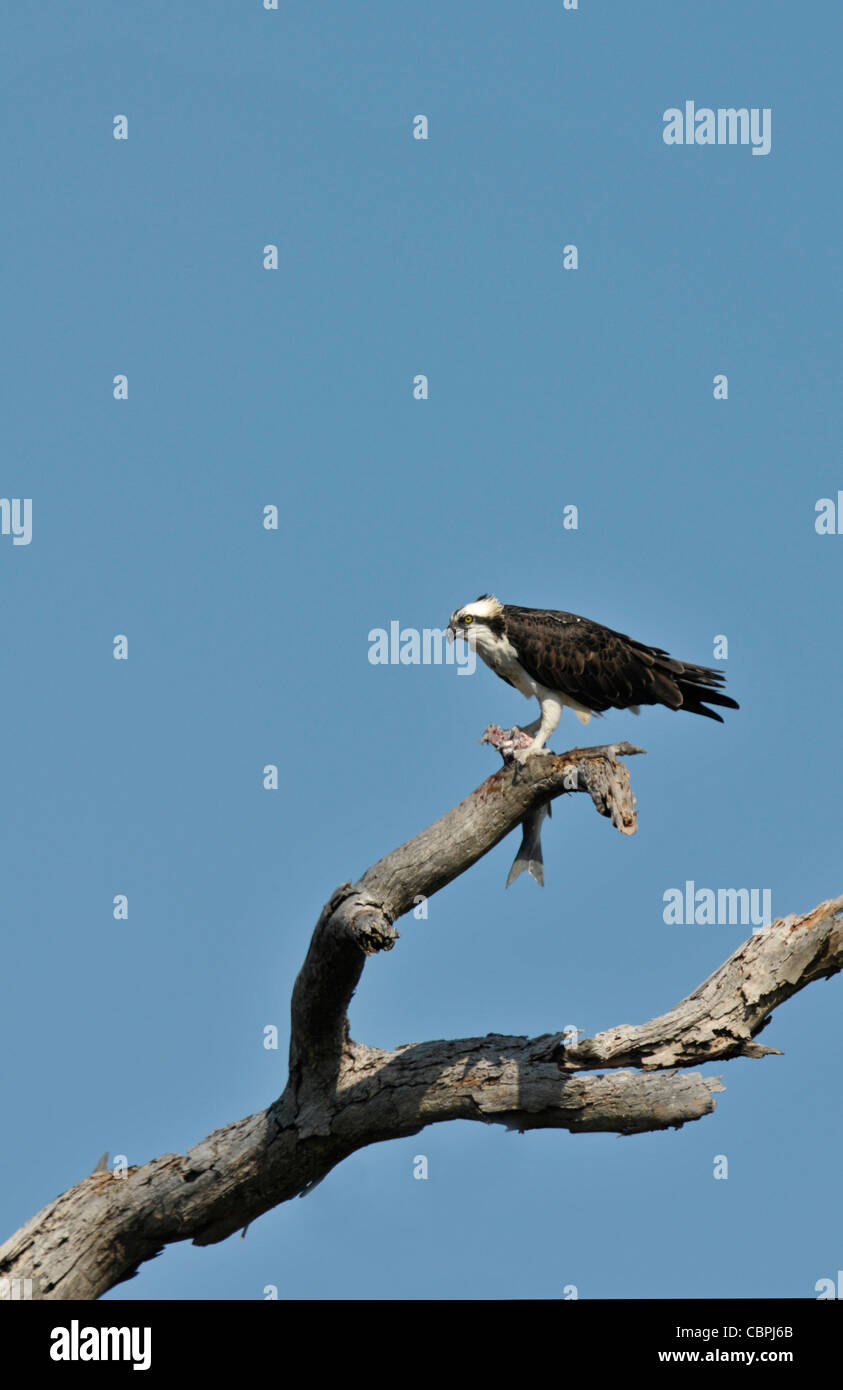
point(342, 1095)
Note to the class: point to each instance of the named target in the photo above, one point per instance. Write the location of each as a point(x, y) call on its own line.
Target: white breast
point(499, 653)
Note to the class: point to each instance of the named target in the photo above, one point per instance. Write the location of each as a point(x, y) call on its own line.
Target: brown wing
point(604, 669)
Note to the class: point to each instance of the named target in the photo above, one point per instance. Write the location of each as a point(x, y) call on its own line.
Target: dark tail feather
point(694, 693)
point(696, 686)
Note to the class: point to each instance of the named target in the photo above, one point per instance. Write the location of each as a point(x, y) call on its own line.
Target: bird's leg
point(551, 713)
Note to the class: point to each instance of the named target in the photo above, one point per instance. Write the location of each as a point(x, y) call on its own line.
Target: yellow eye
point(468, 619)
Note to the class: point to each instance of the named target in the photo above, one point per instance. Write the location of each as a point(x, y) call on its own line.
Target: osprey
point(563, 659)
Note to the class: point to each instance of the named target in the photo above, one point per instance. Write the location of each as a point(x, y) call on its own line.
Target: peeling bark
point(724, 1013)
point(342, 1095)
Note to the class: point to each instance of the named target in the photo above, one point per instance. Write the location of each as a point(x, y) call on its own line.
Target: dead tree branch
point(342, 1096)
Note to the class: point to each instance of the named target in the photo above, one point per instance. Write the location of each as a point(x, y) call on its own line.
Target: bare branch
point(342, 1095)
point(358, 920)
point(100, 1231)
point(463, 835)
point(731, 1007)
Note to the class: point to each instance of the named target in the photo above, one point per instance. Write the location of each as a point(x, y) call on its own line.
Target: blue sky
point(293, 387)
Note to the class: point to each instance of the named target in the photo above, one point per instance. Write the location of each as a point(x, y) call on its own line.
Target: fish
point(529, 854)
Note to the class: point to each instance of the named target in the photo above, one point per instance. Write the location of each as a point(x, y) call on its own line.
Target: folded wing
point(604, 669)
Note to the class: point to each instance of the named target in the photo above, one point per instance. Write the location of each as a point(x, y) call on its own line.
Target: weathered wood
point(724, 1013)
point(97, 1234)
point(359, 919)
point(342, 1095)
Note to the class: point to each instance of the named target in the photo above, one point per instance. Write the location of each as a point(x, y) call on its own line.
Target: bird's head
point(475, 619)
